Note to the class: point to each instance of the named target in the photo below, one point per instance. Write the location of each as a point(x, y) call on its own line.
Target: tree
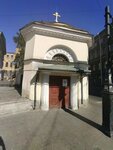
point(20, 44)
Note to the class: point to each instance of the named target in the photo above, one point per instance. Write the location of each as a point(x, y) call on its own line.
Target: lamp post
point(107, 99)
point(100, 53)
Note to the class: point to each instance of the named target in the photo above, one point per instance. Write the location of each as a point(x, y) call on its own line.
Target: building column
point(74, 96)
point(85, 90)
point(45, 92)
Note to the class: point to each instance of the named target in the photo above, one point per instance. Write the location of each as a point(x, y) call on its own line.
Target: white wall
point(27, 82)
point(44, 43)
point(29, 48)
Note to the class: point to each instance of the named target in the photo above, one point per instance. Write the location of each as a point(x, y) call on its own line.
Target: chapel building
point(55, 65)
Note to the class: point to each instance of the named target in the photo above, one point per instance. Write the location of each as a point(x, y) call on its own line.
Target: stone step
point(9, 108)
point(6, 83)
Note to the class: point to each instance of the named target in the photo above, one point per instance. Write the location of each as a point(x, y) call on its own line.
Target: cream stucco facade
point(8, 65)
point(46, 42)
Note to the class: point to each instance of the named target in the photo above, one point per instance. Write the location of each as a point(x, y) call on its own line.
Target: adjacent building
point(98, 61)
point(55, 65)
point(9, 65)
point(2, 52)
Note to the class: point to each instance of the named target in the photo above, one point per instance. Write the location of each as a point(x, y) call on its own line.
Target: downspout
point(36, 79)
point(81, 78)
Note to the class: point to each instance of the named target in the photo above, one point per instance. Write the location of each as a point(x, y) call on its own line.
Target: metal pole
point(107, 28)
point(36, 79)
point(107, 101)
point(100, 48)
point(81, 88)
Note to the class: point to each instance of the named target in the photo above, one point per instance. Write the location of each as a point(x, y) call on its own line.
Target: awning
point(65, 68)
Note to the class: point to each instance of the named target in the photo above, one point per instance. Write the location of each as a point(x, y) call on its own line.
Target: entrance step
point(13, 107)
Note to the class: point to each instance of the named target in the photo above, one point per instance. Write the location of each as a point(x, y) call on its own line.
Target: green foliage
point(19, 40)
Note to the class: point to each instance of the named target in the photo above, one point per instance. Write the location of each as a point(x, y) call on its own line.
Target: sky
point(83, 14)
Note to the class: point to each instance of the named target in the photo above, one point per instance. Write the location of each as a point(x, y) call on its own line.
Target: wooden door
point(59, 91)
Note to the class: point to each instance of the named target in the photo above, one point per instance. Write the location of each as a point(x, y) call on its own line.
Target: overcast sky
point(83, 14)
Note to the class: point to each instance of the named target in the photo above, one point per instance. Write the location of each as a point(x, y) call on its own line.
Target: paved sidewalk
point(11, 102)
point(56, 129)
point(9, 94)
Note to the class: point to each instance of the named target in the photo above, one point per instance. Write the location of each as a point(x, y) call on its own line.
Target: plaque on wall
point(64, 82)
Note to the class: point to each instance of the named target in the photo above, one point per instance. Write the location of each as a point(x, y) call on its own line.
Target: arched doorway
point(59, 87)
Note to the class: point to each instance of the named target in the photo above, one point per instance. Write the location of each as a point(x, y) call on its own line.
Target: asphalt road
point(55, 130)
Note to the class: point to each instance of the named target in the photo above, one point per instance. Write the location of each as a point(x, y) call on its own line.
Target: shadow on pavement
point(2, 145)
point(90, 122)
point(18, 89)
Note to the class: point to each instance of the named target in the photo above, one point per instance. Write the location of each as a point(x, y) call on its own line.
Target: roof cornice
point(75, 35)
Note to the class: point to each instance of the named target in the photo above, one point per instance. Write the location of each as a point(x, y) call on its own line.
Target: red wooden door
point(59, 89)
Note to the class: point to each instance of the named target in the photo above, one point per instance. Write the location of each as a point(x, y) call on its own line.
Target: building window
point(12, 56)
point(90, 56)
point(10, 64)
point(8, 56)
point(95, 43)
point(93, 67)
point(60, 57)
point(6, 64)
point(105, 64)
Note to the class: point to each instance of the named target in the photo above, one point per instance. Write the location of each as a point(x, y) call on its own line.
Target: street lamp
point(100, 52)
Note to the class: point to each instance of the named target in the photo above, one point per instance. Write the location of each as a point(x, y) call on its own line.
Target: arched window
point(61, 53)
point(60, 57)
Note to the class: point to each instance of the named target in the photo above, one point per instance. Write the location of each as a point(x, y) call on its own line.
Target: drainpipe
point(81, 78)
point(81, 72)
point(36, 79)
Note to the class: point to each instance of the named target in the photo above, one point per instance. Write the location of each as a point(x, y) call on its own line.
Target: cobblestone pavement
point(56, 129)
